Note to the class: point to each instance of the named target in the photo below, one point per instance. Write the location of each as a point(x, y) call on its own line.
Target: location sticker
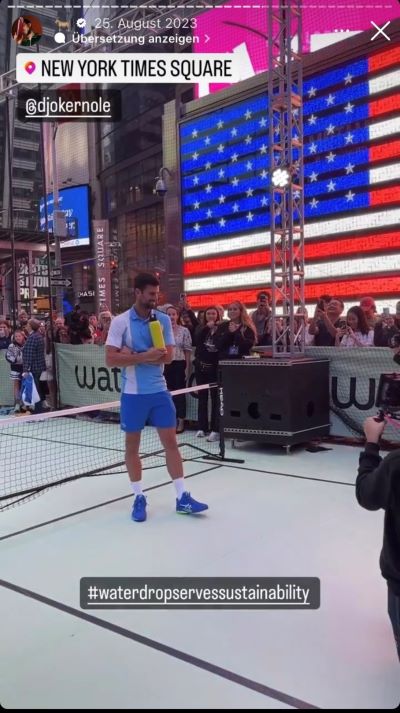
point(30, 67)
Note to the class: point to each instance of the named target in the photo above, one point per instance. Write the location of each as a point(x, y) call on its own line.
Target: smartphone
point(182, 296)
point(321, 305)
point(386, 311)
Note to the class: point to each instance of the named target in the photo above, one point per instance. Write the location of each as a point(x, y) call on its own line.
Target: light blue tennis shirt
point(131, 330)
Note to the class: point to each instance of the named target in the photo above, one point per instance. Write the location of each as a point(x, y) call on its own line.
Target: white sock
point(137, 487)
point(179, 487)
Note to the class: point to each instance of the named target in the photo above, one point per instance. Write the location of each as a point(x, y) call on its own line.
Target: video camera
point(388, 397)
point(395, 341)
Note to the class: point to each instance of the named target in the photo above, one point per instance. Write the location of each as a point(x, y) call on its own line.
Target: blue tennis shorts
point(140, 410)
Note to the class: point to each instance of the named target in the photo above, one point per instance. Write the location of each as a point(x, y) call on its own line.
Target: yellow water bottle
point(156, 333)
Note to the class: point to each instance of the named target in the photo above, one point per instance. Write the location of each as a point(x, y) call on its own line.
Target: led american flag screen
point(351, 189)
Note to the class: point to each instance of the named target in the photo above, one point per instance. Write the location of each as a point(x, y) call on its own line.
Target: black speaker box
point(277, 401)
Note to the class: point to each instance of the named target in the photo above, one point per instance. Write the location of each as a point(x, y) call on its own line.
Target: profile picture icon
point(27, 30)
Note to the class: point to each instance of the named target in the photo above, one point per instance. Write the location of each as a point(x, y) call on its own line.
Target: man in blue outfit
point(145, 398)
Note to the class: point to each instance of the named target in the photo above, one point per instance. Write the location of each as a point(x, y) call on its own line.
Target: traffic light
point(113, 266)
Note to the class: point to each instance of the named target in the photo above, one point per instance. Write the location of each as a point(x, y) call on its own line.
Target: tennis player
point(145, 399)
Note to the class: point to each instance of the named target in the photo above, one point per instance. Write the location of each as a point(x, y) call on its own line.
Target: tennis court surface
point(274, 515)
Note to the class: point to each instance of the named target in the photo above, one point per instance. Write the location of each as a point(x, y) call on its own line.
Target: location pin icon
point(30, 67)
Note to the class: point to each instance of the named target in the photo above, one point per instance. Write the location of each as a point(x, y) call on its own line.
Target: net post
point(220, 397)
point(221, 417)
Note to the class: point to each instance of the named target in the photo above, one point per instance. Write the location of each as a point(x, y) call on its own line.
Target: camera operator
point(378, 487)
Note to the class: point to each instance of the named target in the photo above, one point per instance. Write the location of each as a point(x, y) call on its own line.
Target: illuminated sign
point(351, 188)
point(368, 244)
point(341, 288)
point(75, 203)
point(102, 251)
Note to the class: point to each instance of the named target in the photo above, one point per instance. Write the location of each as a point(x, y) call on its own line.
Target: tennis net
point(47, 450)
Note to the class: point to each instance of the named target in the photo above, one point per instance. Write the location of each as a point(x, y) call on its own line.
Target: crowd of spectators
point(215, 338)
point(29, 348)
point(207, 334)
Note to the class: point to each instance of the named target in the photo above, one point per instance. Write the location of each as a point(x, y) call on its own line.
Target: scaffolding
point(285, 99)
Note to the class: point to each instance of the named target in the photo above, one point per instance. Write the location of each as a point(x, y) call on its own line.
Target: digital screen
point(75, 203)
point(351, 188)
point(244, 31)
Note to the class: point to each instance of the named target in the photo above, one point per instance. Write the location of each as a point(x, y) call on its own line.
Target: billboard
point(242, 29)
point(75, 203)
point(351, 189)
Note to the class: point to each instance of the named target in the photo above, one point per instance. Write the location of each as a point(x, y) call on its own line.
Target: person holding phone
point(183, 302)
point(323, 302)
point(378, 488)
point(355, 332)
point(325, 323)
point(385, 330)
point(261, 316)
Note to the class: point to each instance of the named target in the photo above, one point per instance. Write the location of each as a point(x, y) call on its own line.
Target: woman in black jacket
point(235, 339)
point(205, 369)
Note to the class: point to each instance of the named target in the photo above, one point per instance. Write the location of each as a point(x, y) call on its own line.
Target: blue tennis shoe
point(188, 506)
point(139, 509)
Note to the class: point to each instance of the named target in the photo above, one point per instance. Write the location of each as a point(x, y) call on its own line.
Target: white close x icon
point(380, 30)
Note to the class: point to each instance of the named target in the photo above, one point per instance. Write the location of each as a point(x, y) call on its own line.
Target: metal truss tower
point(285, 99)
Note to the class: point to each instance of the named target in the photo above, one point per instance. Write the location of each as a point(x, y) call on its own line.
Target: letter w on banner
point(354, 381)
